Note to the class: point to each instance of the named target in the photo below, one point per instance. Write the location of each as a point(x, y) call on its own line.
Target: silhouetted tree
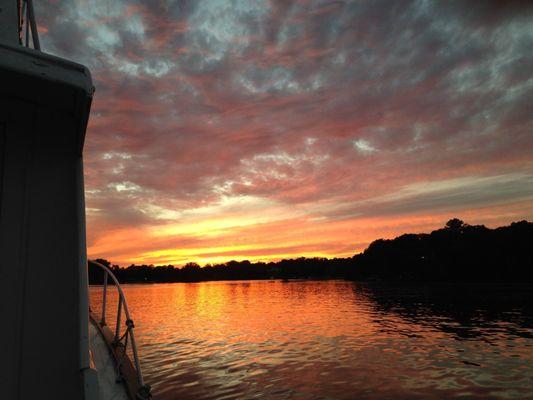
point(455, 224)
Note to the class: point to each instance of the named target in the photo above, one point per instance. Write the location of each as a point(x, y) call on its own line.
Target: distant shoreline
point(418, 284)
point(457, 253)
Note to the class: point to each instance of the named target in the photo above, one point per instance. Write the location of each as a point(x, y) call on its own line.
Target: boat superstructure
point(44, 108)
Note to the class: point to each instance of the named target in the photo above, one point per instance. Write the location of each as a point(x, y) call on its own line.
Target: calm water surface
point(332, 340)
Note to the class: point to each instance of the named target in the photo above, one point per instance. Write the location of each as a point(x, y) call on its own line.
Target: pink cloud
point(271, 101)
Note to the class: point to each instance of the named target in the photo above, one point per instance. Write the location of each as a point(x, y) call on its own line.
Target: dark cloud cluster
point(336, 104)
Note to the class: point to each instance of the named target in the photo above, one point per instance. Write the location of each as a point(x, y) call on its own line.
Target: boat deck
point(109, 388)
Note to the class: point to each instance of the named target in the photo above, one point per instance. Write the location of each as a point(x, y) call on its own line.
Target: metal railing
point(27, 24)
point(120, 342)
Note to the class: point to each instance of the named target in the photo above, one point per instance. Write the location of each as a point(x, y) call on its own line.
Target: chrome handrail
point(122, 341)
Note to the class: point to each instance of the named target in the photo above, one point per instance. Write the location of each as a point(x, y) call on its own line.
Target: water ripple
point(331, 340)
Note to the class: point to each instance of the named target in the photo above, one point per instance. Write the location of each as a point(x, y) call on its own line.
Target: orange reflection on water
point(326, 339)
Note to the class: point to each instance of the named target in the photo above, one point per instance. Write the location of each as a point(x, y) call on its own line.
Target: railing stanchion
point(135, 356)
point(117, 328)
point(104, 300)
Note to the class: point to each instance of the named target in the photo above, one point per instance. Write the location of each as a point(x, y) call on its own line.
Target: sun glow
point(215, 255)
point(247, 236)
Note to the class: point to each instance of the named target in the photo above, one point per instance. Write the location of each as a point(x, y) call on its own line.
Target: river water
point(332, 340)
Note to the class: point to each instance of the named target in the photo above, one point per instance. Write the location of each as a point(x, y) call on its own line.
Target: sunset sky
point(262, 130)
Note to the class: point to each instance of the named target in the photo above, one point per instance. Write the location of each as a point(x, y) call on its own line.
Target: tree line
point(458, 252)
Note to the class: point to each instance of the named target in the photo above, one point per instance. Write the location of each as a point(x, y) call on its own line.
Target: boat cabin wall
point(43, 288)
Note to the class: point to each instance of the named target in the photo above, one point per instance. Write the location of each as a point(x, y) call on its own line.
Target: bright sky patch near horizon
point(261, 130)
